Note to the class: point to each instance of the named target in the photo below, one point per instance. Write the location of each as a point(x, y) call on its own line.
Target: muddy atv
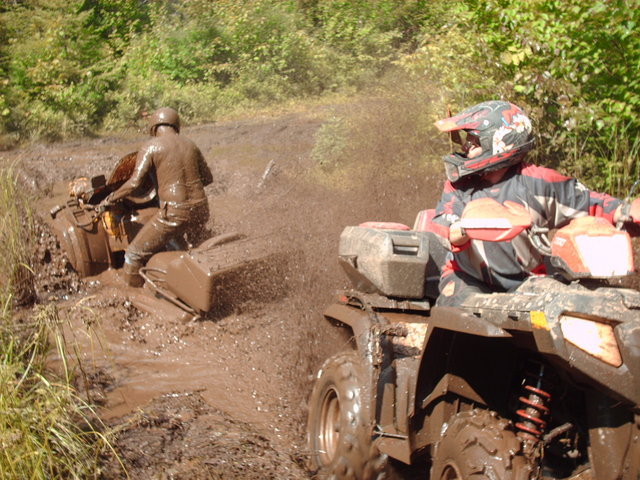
point(191, 279)
point(541, 382)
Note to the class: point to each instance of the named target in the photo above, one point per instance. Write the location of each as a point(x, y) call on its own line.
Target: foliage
point(458, 64)
point(572, 65)
point(71, 68)
point(384, 135)
point(55, 84)
point(75, 67)
point(115, 21)
point(46, 431)
point(16, 240)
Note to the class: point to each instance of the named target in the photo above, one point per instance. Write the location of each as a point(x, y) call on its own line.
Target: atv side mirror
point(486, 219)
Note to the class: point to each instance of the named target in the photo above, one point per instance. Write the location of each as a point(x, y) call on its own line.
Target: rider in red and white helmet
point(495, 137)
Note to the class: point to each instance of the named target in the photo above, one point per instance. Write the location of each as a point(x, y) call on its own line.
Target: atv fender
point(83, 239)
point(454, 319)
point(443, 380)
point(359, 321)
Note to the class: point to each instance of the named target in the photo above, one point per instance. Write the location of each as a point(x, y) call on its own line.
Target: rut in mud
point(223, 397)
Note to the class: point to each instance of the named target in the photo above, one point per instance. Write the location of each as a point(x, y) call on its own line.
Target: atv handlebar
point(94, 213)
point(486, 219)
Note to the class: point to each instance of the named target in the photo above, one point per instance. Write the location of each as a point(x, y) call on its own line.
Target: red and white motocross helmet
point(501, 129)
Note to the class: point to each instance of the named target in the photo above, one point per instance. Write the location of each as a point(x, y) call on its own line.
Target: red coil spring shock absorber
point(534, 407)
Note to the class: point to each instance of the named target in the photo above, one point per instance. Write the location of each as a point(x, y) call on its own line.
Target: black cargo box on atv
point(394, 263)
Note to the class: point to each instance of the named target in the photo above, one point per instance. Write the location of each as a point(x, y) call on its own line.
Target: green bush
point(387, 135)
point(55, 77)
point(75, 67)
point(576, 64)
point(457, 65)
point(72, 68)
point(46, 430)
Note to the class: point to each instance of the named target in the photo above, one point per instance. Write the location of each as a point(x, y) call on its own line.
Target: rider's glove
point(630, 212)
point(634, 210)
point(629, 218)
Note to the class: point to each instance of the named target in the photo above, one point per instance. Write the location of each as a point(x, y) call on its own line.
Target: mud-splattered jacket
point(552, 200)
point(176, 167)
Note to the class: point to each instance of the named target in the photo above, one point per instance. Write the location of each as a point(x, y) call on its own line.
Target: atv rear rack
point(365, 301)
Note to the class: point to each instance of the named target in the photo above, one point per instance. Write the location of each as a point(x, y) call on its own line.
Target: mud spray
point(225, 397)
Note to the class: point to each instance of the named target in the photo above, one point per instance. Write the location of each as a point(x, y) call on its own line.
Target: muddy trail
point(225, 396)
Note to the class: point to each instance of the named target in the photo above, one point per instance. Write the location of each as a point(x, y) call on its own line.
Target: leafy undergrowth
point(46, 429)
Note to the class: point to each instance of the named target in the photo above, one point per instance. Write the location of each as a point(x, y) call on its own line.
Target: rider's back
point(176, 161)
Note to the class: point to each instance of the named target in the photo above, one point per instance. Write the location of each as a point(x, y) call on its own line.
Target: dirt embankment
point(224, 397)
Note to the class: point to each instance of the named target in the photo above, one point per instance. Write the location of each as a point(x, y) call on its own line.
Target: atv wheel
point(338, 433)
point(478, 445)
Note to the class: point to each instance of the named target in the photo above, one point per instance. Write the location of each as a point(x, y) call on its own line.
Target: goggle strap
point(454, 135)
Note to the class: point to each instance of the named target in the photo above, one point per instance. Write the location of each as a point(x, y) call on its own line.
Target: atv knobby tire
point(478, 445)
point(338, 427)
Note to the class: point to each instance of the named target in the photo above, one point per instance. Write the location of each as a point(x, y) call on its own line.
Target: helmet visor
point(465, 141)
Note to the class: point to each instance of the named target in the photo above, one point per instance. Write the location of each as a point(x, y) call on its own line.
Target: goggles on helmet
point(468, 140)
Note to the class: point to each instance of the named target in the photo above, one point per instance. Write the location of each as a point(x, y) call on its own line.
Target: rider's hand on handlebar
point(457, 235)
point(628, 212)
point(104, 204)
point(634, 210)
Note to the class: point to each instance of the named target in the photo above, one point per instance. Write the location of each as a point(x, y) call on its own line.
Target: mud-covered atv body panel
point(92, 242)
point(429, 367)
point(394, 263)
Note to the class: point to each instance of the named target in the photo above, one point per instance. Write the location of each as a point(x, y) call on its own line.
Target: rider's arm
point(205, 172)
point(448, 212)
point(143, 165)
point(564, 198)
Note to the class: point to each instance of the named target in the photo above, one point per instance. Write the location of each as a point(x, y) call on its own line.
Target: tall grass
point(16, 237)
point(46, 430)
point(614, 159)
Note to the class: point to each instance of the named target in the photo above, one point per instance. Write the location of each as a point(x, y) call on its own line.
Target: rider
point(178, 170)
point(495, 137)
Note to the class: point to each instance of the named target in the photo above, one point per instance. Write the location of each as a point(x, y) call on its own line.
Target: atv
point(189, 281)
point(539, 383)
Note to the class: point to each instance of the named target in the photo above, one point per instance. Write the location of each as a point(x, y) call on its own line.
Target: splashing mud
point(223, 397)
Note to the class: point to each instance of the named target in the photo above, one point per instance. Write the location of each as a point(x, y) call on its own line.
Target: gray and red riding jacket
point(552, 200)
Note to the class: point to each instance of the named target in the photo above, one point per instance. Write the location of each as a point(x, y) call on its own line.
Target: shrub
point(576, 64)
point(75, 67)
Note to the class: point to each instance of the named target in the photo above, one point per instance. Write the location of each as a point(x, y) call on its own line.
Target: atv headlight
point(595, 338)
point(617, 261)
